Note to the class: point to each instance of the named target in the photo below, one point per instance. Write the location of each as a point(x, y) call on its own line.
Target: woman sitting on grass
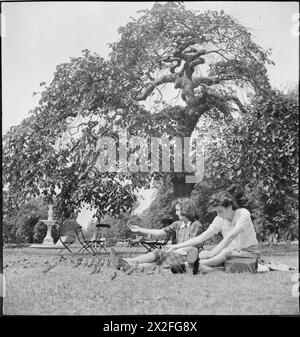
point(236, 227)
point(187, 227)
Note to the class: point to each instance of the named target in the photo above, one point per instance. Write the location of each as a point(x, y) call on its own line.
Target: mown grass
point(39, 282)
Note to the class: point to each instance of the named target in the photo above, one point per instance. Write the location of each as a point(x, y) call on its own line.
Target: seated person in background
point(185, 228)
point(236, 227)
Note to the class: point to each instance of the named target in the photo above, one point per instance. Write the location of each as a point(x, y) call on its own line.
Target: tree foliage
point(206, 56)
point(18, 224)
point(169, 43)
point(161, 206)
point(256, 157)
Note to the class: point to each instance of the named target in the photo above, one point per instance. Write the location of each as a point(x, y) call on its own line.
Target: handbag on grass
point(242, 264)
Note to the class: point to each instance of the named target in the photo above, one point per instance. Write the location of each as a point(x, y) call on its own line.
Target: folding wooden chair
point(135, 242)
point(65, 244)
point(86, 244)
point(99, 242)
point(157, 244)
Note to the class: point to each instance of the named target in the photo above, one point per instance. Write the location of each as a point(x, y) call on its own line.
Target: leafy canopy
point(207, 56)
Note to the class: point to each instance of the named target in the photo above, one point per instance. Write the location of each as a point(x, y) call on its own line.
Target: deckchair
point(157, 244)
point(136, 241)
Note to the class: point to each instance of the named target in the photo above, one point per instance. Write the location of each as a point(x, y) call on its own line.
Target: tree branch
point(200, 52)
point(151, 86)
point(197, 54)
point(170, 59)
point(200, 60)
point(237, 102)
point(210, 80)
point(222, 99)
point(76, 126)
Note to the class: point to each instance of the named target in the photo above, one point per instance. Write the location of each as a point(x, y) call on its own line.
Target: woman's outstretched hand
point(134, 228)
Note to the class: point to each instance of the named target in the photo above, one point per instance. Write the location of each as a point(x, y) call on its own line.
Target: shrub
point(18, 225)
point(40, 232)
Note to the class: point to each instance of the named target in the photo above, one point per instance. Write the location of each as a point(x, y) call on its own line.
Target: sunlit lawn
point(34, 288)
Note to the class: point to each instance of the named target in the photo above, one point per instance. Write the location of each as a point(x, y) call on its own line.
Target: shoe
point(193, 261)
point(118, 262)
point(192, 268)
point(196, 267)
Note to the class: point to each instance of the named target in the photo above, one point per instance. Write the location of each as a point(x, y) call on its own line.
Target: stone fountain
point(48, 240)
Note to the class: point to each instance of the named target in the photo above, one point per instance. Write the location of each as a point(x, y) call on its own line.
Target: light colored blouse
point(242, 220)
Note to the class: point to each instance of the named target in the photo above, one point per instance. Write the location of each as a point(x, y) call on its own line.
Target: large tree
point(208, 57)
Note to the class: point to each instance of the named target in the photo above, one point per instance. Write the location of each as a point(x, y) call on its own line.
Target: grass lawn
point(39, 282)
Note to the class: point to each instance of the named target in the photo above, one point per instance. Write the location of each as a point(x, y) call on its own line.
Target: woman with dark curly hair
point(236, 227)
point(185, 228)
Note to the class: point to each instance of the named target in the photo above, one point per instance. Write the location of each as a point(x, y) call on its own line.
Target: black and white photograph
point(150, 155)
